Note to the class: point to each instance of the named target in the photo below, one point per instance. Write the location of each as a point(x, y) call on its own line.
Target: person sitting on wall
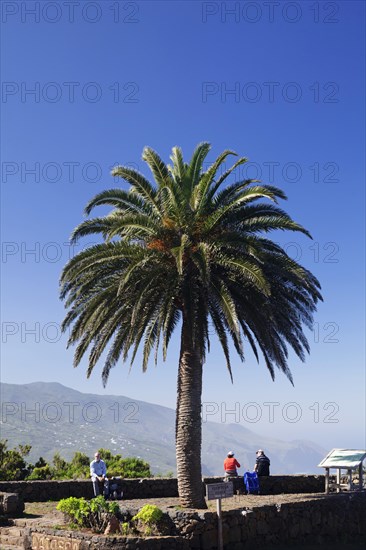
point(262, 464)
point(98, 472)
point(230, 465)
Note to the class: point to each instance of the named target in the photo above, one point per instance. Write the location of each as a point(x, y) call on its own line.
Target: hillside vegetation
point(13, 465)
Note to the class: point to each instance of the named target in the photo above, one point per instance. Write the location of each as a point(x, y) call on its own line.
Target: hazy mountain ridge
point(52, 417)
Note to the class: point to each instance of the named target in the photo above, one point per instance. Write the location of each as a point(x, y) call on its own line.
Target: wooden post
point(326, 480)
point(217, 491)
point(338, 480)
point(360, 476)
point(219, 524)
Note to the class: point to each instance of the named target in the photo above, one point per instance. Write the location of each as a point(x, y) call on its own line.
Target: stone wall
point(321, 521)
point(48, 539)
point(276, 485)
point(11, 504)
point(41, 491)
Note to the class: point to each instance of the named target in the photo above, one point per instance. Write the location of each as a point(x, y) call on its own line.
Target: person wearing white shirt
point(98, 472)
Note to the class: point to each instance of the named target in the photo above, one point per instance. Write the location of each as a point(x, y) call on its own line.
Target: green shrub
point(125, 528)
point(149, 514)
point(40, 462)
point(76, 508)
point(93, 514)
point(12, 463)
point(148, 518)
point(100, 504)
point(14, 467)
point(44, 472)
point(134, 467)
point(117, 466)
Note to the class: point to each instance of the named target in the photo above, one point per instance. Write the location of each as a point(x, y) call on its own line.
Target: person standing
point(262, 464)
point(98, 472)
point(230, 465)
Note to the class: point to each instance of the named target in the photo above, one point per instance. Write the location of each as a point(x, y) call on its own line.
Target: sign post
point(217, 491)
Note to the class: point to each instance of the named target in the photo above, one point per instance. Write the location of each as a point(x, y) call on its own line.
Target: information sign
point(220, 490)
point(343, 458)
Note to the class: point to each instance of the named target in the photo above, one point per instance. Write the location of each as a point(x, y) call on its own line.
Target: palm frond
point(224, 176)
point(196, 163)
point(156, 165)
point(179, 168)
point(140, 185)
point(199, 198)
point(123, 200)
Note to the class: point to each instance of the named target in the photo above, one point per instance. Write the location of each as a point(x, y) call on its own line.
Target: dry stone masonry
point(42, 491)
point(312, 519)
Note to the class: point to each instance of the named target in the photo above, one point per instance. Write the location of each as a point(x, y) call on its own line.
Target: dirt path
point(46, 513)
point(237, 502)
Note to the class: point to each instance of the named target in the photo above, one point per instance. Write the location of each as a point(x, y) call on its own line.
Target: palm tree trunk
point(188, 428)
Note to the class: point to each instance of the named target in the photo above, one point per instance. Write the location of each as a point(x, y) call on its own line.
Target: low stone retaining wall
point(11, 505)
point(76, 541)
point(323, 520)
point(42, 491)
point(278, 485)
point(320, 521)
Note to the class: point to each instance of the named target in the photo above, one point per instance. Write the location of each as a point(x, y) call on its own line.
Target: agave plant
point(187, 250)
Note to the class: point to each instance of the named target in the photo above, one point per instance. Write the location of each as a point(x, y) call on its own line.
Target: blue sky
point(86, 85)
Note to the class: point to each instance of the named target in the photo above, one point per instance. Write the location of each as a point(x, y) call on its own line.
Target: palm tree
point(187, 251)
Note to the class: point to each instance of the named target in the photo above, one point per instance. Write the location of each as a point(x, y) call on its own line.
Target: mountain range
point(53, 418)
